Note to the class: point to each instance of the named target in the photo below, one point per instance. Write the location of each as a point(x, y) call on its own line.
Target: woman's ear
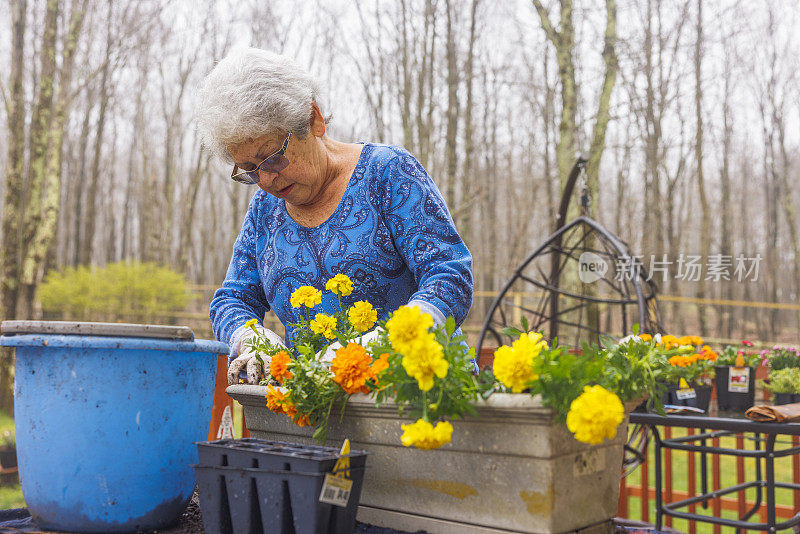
point(317, 121)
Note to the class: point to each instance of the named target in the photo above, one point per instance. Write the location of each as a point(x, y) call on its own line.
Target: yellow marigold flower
point(686, 340)
point(423, 435)
point(424, 358)
point(251, 323)
point(529, 344)
point(595, 415)
point(279, 367)
point(324, 324)
point(408, 324)
point(307, 296)
point(513, 366)
point(645, 337)
point(696, 340)
point(351, 368)
point(340, 285)
point(276, 399)
point(362, 316)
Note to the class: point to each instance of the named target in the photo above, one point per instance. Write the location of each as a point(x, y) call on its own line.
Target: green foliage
point(118, 291)
point(8, 438)
point(562, 377)
point(783, 358)
point(313, 391)
point(452, 396)
point(784, 380)
point(634, 369)
point(730, 353)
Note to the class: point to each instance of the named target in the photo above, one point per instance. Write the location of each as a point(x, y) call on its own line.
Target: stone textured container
point(509, 469)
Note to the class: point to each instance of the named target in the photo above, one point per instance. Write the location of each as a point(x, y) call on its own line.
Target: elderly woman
point(324, 207)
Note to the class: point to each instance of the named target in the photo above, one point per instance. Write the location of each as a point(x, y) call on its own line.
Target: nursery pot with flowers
point(736, 387)
point(511, 468)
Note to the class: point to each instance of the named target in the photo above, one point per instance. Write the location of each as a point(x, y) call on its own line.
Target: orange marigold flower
point(380, 365)
point(676, 361)
point(276, 400)
point(708, 353)
point(290, 410)
point(351, 368)
point(303, 420)
point(279, 368)
point(645, 337)
point(669, 341)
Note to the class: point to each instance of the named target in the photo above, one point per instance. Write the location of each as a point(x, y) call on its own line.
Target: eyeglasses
point(271, 164)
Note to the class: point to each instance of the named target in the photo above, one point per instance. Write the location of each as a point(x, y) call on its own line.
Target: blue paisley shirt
point(391, 234)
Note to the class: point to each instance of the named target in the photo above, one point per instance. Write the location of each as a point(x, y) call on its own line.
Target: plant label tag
point(739, 379)
point(684, 394)
point(225, 430)
point(336, 490)
point(337, 486)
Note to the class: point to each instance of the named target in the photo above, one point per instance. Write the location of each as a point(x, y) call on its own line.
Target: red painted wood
point(221, 399)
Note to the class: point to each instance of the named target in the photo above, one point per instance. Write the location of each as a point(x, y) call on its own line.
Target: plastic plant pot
point(734, 400)
point(279, 493)
point(702, 398)
point(784, 398)
point(106, 417)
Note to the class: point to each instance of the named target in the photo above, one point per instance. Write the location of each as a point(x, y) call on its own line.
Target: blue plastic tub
point(105, 427)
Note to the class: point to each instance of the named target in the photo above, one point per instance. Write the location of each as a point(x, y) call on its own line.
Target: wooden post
point(221, 399)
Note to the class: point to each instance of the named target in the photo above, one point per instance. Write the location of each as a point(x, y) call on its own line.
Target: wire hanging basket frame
point(582, 283)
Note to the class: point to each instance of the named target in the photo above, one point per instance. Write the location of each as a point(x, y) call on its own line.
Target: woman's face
point(301, 181)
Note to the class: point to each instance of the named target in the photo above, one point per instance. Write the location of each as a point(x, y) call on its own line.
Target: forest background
point(687, 111)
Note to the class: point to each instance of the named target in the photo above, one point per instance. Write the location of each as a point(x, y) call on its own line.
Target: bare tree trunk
point(41, 124)
point(91, 199)
point(601, 122)
point(705, 230)
point(467, 179)
point(563, 41)
point(10, 253)
point(725, 323)
point(452, 111)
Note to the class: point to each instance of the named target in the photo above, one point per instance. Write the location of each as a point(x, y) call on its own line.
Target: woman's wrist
point(427, 307)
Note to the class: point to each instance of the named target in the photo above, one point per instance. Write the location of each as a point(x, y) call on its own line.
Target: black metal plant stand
point(713, 427)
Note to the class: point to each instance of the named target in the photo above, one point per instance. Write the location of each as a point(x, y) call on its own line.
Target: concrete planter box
point(509, 470)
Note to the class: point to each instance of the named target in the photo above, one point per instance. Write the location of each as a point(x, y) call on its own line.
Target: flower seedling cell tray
point(255, 485)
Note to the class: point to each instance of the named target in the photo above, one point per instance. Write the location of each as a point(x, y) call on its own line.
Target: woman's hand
point(365, 339)
point(247, 359)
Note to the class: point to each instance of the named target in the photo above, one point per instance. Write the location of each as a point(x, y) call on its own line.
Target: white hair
point(252, 93)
